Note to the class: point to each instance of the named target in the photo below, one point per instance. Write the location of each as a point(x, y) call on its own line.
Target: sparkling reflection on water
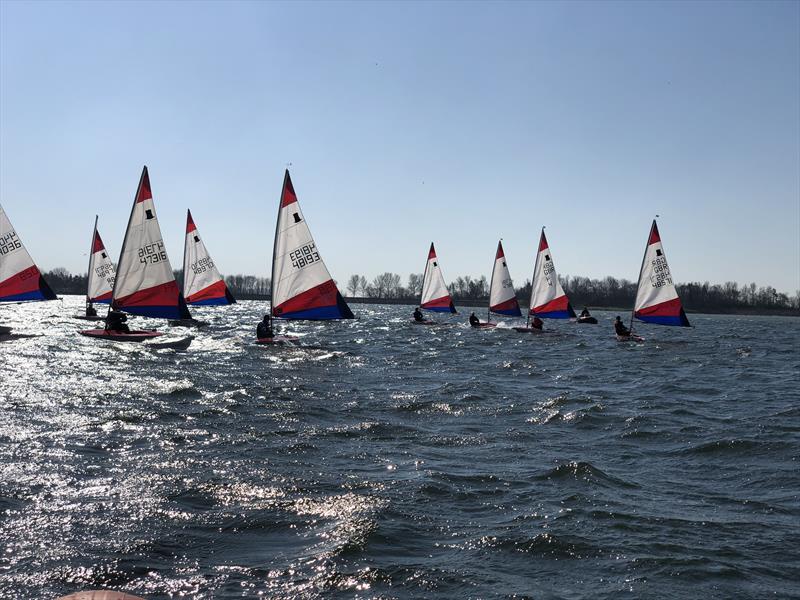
point(384, 459)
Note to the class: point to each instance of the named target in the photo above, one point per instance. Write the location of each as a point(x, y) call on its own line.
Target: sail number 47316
point(152, 253)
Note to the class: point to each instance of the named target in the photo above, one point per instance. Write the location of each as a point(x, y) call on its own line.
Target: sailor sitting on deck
point(115, 321)
point(473, 320)
point(620, 328)
point(584, 313)
point(537, 323)
point(418, 315)
point(264, 329)
point(91, 311)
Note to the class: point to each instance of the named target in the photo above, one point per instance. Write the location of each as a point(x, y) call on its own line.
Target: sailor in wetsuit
point(537, 323)
point(473, 320)
point(584, 313)
point(115, 321)
point(90, 310)
point(620, 328)
point(418, 315)
point(264, 329)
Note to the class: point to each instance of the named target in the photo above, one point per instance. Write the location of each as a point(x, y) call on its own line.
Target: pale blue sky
point(412, 122)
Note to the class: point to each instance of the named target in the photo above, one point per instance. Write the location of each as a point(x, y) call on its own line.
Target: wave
point(583, 471)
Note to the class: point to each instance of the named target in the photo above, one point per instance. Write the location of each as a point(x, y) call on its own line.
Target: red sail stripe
point(215, 290)
point(321, 295)
point(557, 304)
point(654, 236)
point(287, 195)
point(23, 282)
point(190, 226)
point(443, 302)
point(543, 242)
point(144, 192)
point(165, 294)
point(507, 305)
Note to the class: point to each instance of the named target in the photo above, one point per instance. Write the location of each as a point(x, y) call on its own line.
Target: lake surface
point(381, 459)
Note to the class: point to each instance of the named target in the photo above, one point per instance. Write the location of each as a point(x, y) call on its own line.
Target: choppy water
point(387, 460)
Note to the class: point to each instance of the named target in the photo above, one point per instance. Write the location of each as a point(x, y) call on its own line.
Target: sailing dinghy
point(144, 284)
point(657, 300)
point(502, 297)
point(435, 296)
point(302, 287)
point(20, 278)
point(202, 283)
point(548, 299)
point(100, 280)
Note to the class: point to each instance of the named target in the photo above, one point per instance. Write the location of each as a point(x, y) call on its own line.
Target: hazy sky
point(407, 123)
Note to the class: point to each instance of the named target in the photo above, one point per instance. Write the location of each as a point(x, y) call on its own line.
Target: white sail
point(144, 284)
point(20, 278)
point(657, 299)
point(502, 297)
point(302, 287)
point(435, 296)
point(202, 282)
point(101, 271)
point(548, 299)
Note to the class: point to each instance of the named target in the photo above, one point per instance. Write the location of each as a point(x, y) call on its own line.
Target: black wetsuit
point(264, 330)
point(585, 313)
point(115, 321)
point(418, 315)
point(474, 321)
point(620, 328)
point(91, 311)
point(537, 323)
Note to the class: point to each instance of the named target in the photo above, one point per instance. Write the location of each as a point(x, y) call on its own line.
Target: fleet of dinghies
point(143, 282)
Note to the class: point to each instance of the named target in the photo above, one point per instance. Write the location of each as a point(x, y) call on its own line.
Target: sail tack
point(548, 299)
point(202, 282)
point(435, 296)
point(144, 284)
point(302, 287)
point(657, 299)
point(502, 298)
point(101, 272)
point(20, 278)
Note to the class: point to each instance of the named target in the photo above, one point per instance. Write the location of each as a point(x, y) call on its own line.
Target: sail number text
point(9, 242)
point(304, 256)
point(202, 265)
point(661, 275)
point(152, 253)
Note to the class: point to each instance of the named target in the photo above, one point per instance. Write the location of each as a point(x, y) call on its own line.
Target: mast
point(641, 268)
point(91, 258)
point(533, 278)
point(425, 275)
point(185, 253)
point(491, 281)
point(125, 237)
point(286, 179)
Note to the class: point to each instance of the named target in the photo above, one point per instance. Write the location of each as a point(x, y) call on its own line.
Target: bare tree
point(415, 284)
point(353, 284)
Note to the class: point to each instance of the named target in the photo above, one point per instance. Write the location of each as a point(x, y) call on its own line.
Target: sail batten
point(435, 297)
point(548, 299)
point(20, 278)
point(657, 300)
point(202, 283)
point(145, 284)
point(502, 297)
point(302, 286)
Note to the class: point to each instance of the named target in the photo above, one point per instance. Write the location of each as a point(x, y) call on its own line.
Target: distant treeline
point(582, 291)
